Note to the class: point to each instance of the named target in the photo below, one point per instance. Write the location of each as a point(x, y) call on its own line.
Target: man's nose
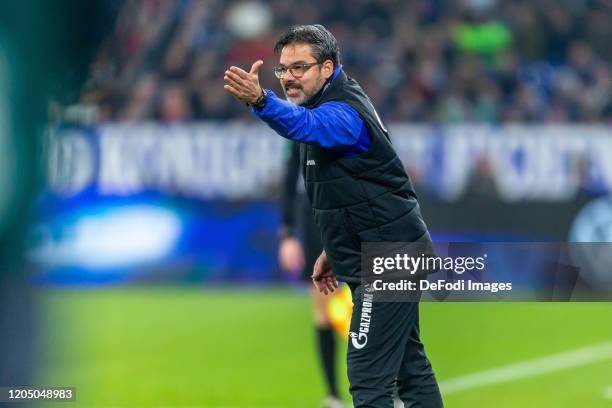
point(288, 76)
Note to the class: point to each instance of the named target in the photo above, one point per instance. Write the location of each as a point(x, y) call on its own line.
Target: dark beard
point(312, 99)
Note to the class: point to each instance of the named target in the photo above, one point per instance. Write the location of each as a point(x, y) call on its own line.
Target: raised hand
point(244, 85)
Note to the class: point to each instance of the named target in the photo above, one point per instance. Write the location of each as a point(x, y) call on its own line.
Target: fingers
point(245, 85)
point(325, 283)
point(316, 271)
point(235, 85)
point(230, 76)
point(255, 67)
point(329, 285)
point(320, 286)
point(323, 276)
point(318, 279)
point(240, 72)
point(325, 287)
point(332, 283)
point(231, 90)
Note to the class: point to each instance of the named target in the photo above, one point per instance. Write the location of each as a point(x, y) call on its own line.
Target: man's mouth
point(292, 88)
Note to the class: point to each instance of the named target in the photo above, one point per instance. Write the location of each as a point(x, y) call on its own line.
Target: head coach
point(359, 192)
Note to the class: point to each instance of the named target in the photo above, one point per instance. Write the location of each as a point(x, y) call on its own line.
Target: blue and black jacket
point(359, 191)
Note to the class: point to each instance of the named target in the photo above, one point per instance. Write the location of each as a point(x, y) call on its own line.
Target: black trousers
point(385, 351)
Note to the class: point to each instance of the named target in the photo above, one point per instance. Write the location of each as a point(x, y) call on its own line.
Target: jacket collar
point(337, 78)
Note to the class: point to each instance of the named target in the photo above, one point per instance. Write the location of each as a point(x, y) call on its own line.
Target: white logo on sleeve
point(356, 338)
point(310, 162)
point(359, 340)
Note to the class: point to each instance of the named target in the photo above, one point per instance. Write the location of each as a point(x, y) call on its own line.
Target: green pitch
point(240, 348)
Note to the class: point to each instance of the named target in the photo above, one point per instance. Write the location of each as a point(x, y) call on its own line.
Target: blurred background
point(140, 260)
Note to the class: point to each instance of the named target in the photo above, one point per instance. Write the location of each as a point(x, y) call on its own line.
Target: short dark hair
point(323, 43)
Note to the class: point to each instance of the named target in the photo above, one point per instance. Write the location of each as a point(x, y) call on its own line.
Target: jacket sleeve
point(333, 125)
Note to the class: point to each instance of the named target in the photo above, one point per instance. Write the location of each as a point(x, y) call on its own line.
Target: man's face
point(299, 90)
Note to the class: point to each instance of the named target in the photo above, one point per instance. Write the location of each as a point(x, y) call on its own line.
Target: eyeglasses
point(297, 70)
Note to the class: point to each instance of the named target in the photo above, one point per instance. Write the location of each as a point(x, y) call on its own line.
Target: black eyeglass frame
point(281, 70)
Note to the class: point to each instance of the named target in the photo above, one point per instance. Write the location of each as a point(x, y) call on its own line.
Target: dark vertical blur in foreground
point(45, 51)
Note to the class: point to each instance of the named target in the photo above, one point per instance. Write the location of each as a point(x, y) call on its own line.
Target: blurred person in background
point(356, 184)
point(298, 257)
point(174, 104)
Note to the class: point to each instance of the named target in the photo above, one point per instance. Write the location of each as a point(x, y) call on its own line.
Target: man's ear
point(327, 69)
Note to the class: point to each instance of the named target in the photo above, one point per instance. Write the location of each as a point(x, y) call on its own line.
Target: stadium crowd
point(440, 61)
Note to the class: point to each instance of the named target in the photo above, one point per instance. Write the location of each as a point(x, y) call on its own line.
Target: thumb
point(316, 272)
point(255, 68)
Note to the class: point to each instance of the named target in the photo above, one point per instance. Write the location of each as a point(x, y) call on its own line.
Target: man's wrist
point(260, 102)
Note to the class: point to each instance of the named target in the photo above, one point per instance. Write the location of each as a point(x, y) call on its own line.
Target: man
point(359, 192)
point(298, 257)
